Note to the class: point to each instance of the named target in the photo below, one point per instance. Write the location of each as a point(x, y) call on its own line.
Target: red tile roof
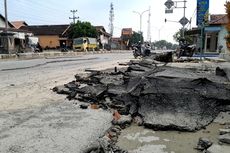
point(218, 19)
point(127, 31)
point(19, 24)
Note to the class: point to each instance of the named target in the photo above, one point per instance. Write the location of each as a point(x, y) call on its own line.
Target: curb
point(54, 54)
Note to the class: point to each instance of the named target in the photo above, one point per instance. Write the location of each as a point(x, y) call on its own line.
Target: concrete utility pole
point(6, 16)
point(6, 26)
point(74, 17)
point(140, 14)
point(184, 18)
point(111, 19)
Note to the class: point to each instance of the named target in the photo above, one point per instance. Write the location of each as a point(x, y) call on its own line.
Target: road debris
point(150, 93)
point(203, 144)
point(167, 98)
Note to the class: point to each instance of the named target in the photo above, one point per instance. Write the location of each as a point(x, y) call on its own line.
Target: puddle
point(137, 139)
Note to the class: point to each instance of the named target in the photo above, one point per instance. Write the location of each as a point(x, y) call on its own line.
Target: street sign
point(183, 21)
point(169, 4)
point(202, 11)
point(167, 11)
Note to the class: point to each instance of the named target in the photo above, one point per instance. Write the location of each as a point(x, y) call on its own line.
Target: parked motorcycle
point(141, 50)
point(186, 49)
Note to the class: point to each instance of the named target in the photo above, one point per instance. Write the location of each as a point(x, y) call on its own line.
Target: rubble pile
point(107, 143)
point(161, 97)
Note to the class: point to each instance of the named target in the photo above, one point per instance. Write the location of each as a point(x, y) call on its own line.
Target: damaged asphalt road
point(166, 98)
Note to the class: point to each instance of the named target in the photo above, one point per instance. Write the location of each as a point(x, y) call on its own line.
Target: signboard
point(168, 11)
point(169, 4)
point(202, 11)
point(183, 21)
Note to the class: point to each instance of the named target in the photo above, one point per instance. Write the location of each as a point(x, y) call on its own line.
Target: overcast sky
point(97, 12)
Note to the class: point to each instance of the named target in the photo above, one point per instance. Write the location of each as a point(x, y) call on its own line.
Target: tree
point(178, 35)
point(163, 43)
point(82, 29)
point(160, 44)
point(136, 38)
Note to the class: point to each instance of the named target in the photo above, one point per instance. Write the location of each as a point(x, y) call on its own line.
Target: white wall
point(104, 40)
point(2, 23)
point(221, 39)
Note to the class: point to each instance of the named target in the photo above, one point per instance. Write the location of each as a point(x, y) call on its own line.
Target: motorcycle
point(141, 50)
point(186, 49)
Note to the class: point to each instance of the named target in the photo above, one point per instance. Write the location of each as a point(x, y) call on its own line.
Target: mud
point(138, 139)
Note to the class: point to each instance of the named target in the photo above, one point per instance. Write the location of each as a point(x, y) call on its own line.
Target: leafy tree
point(160, 44)
point(169, 45)
point(178, 35)
point(82, 29)
point(163, 43)
point(136, 38)
point(174, 47)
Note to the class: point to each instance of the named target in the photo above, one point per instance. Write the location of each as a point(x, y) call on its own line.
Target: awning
point(212, 29)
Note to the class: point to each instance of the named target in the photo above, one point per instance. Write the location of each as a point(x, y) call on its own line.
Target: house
point(214, 34)
point(116, 43)
point(50, 36)
point(104, 38)
point(3, 22)
point(13, 40)
point(126, 35)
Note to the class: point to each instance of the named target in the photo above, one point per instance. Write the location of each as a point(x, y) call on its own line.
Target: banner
point(202, 11)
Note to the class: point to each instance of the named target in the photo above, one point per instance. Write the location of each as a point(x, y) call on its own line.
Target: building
point(13, 40)
point(3, 22)
point(214, 34)
point(116, 43)
point(50, 36)
point(104, 38)
point(126, 35)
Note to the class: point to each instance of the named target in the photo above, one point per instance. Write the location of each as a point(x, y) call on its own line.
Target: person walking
point(85, 44)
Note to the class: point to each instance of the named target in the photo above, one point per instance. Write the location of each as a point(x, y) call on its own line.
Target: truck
point(90, 44)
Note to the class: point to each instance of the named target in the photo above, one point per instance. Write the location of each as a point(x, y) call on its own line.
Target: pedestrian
point(85, 44)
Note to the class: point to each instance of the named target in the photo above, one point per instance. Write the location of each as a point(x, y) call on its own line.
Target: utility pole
point(74, 17)
point(6, 26)
point(6, 16)
point(149, 26)
point(184, 18)
point(111, 19)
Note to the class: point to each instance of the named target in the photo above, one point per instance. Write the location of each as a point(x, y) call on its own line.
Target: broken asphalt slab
point(167, 98)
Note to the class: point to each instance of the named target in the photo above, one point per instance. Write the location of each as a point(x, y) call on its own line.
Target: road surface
point(33, 119)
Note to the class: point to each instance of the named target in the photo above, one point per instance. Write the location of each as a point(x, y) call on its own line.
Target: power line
point(37, 4)
point(26, 7)
point(20, 11)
